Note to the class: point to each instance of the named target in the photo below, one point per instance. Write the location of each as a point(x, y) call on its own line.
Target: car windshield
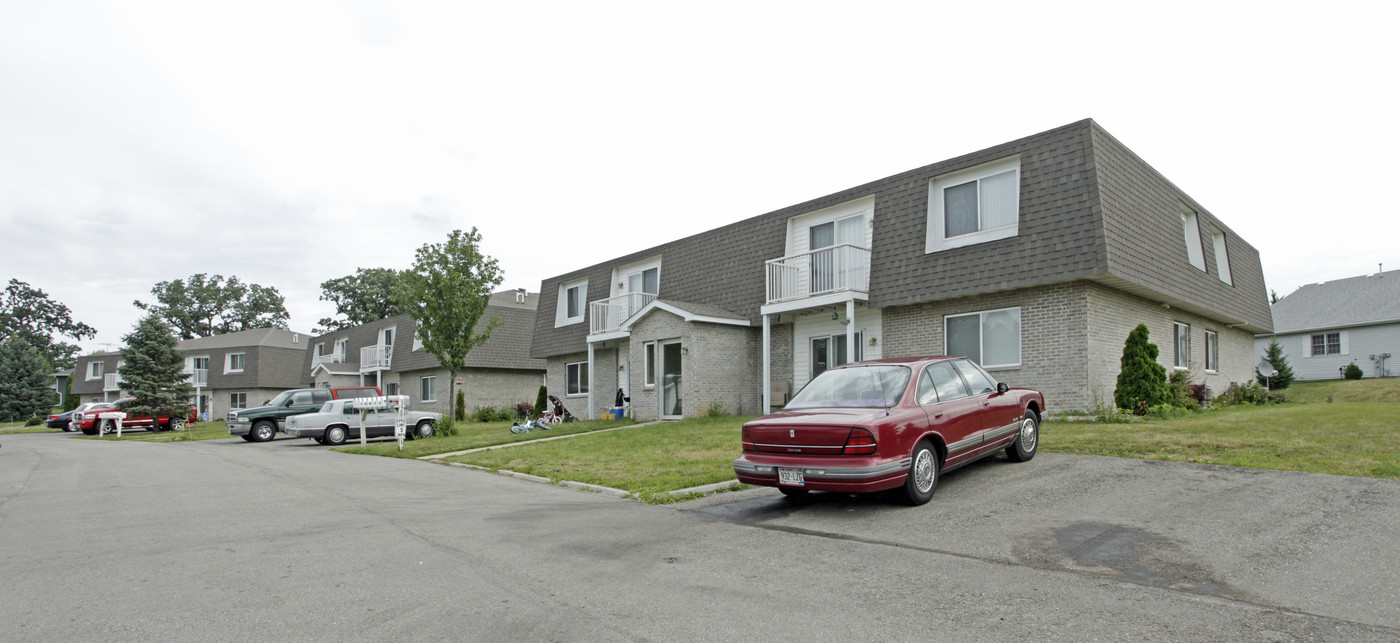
point(874, 386)
point(280, 399)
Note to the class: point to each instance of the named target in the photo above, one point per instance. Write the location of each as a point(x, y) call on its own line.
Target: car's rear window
point(875, 386)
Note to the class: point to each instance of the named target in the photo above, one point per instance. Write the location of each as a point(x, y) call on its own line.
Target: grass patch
point(19, 427)
point(1343, 438)
point(471, 435)
point(1385, 389)
point(648, 461)
point(196, 431)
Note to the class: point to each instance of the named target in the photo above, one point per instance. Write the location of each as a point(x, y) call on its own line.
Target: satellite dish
point(1266, 369)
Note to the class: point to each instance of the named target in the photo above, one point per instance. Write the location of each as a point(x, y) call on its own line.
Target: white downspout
point(850, 330)
point(767, 369)
point(590, 382)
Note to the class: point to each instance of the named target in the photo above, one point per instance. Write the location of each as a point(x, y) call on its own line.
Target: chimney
point(519, 295)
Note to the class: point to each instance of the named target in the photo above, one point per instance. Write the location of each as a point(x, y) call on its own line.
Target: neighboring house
point(228, 371)
point(60, 384)
point(1325, 327)
point(388, 354)
point(1035, 258)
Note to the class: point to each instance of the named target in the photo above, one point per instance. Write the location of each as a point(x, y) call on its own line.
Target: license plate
point(791, 477)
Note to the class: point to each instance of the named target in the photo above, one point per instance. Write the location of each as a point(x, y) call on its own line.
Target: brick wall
point(499, 388)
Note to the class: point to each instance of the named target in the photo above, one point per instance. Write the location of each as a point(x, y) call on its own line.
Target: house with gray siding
point(388, 353)
point(1327, 326)
point(1035, 258)
point(228, 371)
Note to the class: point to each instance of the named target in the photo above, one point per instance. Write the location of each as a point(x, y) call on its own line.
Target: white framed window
point(320, 349)
point(418, 334)
point(1322, 344)
point(233, 362)
point(649, 364)
point(392, 388)
point(1192, 231)
point(1212, 351)
point(342, 346)
point(573, 301)
point(427, 388)
point(1222, 257)
point(990, 338)
point(975, 205)
point(647, 281)
point(576, 378)
point(830, 350)
point(1181, 345)
point(238, 400)
point(386, 336)
point(94, 370)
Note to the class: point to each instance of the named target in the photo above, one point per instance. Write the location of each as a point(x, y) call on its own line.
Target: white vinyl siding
point(991, 339)
point(799, 233)
point(974, 206)
point(868, 324)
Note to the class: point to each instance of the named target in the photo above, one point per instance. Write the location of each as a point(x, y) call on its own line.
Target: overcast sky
point(291, 142)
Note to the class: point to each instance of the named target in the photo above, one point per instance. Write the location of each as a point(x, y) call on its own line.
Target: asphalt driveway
point(227, 540)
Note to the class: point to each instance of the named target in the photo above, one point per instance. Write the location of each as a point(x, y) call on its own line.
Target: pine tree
point(24, 381)
point(153, 371)
point(1275, 357)
point(1142, 382)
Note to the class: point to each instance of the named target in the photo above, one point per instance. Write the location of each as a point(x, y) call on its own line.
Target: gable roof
point(689, 311)
point(1354, 301)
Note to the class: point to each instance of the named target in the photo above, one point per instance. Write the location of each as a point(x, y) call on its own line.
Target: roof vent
point(519, 295)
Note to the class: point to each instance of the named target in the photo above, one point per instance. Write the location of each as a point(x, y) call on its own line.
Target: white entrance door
point(671, 402)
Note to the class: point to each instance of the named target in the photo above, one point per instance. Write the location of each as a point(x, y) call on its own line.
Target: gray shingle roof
point(256, 337)
point(1354, 301)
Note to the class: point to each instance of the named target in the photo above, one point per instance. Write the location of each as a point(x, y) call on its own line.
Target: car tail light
point(747, 440)
point(859, 442)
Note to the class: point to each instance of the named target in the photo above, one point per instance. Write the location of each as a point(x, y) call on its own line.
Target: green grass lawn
point(196, 431)
point(646, 460)
point(1363, 390)
point(19, 427)
point(1344, 438)
point(472, 435)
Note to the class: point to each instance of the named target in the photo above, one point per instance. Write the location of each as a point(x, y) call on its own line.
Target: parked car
point(64, 420)
point(339, 420)
point(90, 424)
point(262, 423)
point(889, 424)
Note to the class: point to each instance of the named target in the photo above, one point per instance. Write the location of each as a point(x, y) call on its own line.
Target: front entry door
point(671, 403)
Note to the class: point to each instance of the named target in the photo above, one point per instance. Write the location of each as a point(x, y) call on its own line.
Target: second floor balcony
point(607, 315)
point(376, 358)
point(112, 382)
point(328, 358)
point(819, 272)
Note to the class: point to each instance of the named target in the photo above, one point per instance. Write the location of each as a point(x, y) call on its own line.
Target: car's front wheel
point(176, 424)
point(264, 431)
point(1025, 445)
point(106, 426)
point(335, 435)
point(424, 429)
point(923, 474)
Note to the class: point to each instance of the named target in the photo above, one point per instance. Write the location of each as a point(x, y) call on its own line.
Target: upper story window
point(342, 346)
point(94, 370)
point(320, 349)
point(975, 205)
point(1192, 231)
point(386, 336)
point(1222, 257)
point(573, 300)
point(418, 334)
point(233, 363)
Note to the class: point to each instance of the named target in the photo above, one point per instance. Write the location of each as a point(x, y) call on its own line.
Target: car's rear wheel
point(319, 440)
point(923, 474)
point(1026, 443)
point(176, 424)
point(92, 430)
point(335, 435)
point(264, 431)
point(424, 429)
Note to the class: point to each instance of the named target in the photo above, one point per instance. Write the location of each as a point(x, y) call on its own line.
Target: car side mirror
point(1002, 388)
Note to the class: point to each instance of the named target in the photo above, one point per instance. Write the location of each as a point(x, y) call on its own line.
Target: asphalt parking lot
point(227, 540)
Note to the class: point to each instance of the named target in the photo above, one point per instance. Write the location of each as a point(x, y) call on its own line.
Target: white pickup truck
point(339, 420)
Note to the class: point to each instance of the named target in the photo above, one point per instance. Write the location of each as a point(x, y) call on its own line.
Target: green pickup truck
point(262, 423)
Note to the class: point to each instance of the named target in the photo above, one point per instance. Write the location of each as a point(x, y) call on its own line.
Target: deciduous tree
point(202, 306)
point(364, 297)
point(447, 291)
point(28, 313)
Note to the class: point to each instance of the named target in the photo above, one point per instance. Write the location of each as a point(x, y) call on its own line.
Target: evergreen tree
point(542, 401)
point(1142, 382)
point(1275, 357)
point(24, 381)
point(153, 371)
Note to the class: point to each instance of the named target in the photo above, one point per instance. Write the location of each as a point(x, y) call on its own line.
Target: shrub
point(33, 421)
point(492, 414)
point(1198, 393)
point(525, 410)
point(1168, 411)
point(1248, 393)
point(716, 409)
point(1142, 382)
point(445, 427)
point(1179, 385)
point(459, 412)
point(542, 400)
point(1274, 356)
point(1353, 372)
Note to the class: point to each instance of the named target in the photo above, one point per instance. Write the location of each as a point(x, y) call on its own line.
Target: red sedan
point(888, 424)
point(90, 424)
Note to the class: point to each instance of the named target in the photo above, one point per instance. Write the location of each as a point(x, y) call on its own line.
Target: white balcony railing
point(112, 382)
point(376, 358)
point(819, 272)
point(607, 315)
point(199, 377)
point(328, 358)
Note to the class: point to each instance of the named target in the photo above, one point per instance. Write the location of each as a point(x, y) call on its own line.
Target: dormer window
point(975, 205)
